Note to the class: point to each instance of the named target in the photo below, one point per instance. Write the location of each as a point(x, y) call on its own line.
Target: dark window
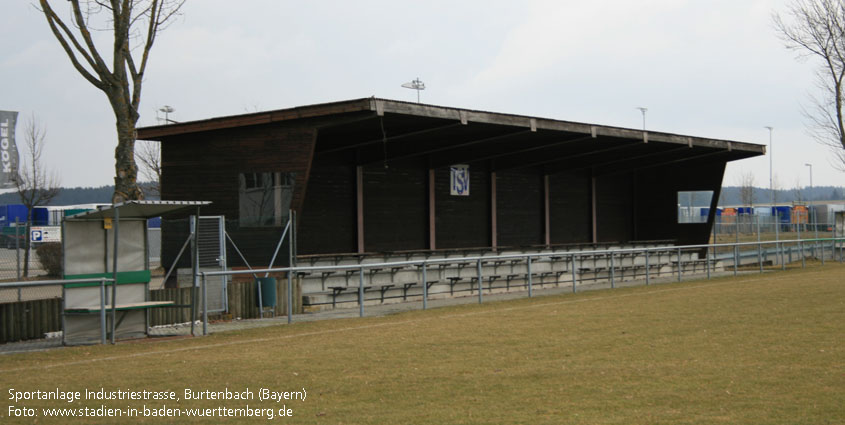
point(264, 198)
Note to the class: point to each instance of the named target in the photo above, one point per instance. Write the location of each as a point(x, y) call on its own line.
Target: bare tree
point(134, 25)
point(148, 154)
point(746, 188)
point(776, 188)
point(816, 29)
point(36, 185)
point(798, 193)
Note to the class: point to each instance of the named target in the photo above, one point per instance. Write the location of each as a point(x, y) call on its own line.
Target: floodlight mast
point(643, 110)
point(417, 85)
point(167, 109)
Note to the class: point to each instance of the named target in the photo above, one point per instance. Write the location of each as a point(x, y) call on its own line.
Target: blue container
point(40, 216)
point(706, 212)
point(784, 214)
point(8, 214)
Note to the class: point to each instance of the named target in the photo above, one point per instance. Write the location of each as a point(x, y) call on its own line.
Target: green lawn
point(758, 349)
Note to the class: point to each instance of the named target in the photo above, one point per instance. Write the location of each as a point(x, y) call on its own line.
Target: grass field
point(758, 349)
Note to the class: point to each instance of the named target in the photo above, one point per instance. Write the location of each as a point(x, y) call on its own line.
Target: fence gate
point(211, 239)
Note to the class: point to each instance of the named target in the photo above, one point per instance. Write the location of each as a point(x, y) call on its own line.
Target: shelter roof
point(377, 130)
point(137, 209)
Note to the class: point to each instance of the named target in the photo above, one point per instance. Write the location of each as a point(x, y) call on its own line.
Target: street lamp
point(815, 224)
point(775, 212)
point(643, 110)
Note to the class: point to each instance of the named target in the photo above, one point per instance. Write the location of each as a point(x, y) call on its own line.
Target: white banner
point(8, 149)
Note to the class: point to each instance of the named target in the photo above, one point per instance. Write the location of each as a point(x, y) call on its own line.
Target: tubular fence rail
point(30, 319)
point(736, 253)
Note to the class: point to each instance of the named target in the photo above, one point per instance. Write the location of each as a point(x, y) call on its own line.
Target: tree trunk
point(126, 171)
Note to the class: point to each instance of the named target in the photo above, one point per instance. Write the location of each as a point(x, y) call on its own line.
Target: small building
point(375, 175)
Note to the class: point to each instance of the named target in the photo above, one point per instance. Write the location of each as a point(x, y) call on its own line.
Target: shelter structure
point(375, 175)
point(111, 242)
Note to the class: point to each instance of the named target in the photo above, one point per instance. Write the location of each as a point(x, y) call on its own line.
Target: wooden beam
point(359, 179)
point(594, 206)
point(432, 243)
point(547, 209)
point(452, 147)
point(493, 233)
point(385, 138)
point(469, 157)
point(567, 160)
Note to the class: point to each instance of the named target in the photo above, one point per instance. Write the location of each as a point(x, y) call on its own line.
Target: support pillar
point(359, 197)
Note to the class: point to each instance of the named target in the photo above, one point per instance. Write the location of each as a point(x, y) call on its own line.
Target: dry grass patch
point(761, 349)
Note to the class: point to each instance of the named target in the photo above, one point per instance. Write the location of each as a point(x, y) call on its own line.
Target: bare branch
point(816, 28)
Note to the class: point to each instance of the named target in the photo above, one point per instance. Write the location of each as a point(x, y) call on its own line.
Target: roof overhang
point(381, 130)
point(137, 210)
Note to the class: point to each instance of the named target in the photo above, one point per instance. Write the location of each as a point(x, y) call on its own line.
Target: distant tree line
point(75, 196)
point(733, 195)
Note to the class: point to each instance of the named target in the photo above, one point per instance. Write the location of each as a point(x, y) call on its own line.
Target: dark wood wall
point(205, 166)
point(570, 207)
point(328, 223)
point(614, 208)
point(463, 221)
point(520, 207)
point(657, 201)
point(396, 207)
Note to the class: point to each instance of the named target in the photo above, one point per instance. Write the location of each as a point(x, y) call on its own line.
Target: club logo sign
point(459, 180)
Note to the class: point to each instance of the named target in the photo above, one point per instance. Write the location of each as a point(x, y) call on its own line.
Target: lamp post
point(643, 110)
point(775, 211)
point(815, 224)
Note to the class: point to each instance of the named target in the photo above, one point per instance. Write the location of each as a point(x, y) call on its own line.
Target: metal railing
point(56, 282)
point(573, 257)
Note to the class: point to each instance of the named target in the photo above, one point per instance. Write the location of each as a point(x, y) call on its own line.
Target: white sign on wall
point(459, 180)
point(45, 234)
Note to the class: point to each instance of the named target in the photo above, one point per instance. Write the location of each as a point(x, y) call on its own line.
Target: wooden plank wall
point(24, 320)
point(570, 207)
point(657, 201)
point(462, 221)
point(242, 302)
point(614, 208)
point(328, 220)
point(519, 197)
point(205, 166)
point(396, 207)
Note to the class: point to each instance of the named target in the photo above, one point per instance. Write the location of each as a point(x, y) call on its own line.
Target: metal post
point(736, 259)
point(612, 277)
point(424, 286)
point(18, 251)
point(205, 307)
point(480, 286)
point(574, 279)
point(707, 262)
point(291, 261)
point(801, 245)
point(114, 273)
point(680, 264)
point(647, 271)
point(361, 292)
point(194, 267)
point(759, 245)
point(528, 263)
point(102, 310)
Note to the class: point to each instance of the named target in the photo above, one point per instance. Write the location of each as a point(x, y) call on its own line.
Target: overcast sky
point(709, 69)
